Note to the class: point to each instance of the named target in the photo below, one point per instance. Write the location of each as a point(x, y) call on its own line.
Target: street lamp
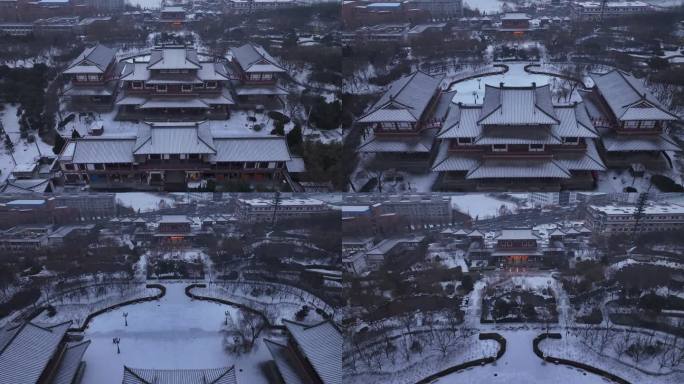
point(117, 340)
point(125, 316)
point(227, 313)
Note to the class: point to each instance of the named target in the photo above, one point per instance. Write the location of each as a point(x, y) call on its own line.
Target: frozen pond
point(472, 91)
point(174, 332)
point(145, 4)
point(486, 6)
point(520, 365)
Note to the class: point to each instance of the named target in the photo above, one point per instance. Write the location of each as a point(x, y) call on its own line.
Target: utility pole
point(603, 9)
point(276, 204)
point(638, 215)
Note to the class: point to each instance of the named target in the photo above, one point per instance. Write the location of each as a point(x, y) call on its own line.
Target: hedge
point(162, 292)
point(576, 364)
point(473, 363)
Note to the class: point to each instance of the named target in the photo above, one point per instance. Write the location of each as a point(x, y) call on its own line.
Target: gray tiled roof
point(179, 376)
point(191, 138)
point(70, 363)
point(629, 143)
point(238, 149)
point(628, 98)
point(103, 150)
point(21, 186)
point(445, 161)
point(589, 160)
point(289, 367)
point(173, 58)
point(405, 100)
point(461, 121)
point(322, 345)
point(512, 168)
point(404, 144)
point(501, 134)
point(517, 106)
point(26, 349)
point(98, 57)
point(516, 234)
point(254, 58)
point(574, 122)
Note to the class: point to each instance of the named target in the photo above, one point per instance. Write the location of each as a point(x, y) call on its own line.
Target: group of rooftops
point(33, 353)
point(517, 131)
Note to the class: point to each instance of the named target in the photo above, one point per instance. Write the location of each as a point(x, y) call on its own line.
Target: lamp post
point(117, 340)
point(125, 316)
point(227, 313)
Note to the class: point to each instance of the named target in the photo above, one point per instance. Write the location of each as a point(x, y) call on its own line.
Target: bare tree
point(443, 340)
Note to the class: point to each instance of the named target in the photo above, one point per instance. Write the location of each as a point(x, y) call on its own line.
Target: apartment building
point(258, 210)
point(595, 10)
point(655, 217)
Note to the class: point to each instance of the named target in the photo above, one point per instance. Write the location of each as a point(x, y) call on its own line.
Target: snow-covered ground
point(77, 304)
point(145, 4)
point(24, 152)
point(472, 91)
point(174, 332)
point(279, 304)
point(520, 365)
point(481, 206)
point(486, 6)
point(143, 201)
point(571, 346)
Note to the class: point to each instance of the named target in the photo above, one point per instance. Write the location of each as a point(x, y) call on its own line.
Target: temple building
point(36, 353)
point(92, 80)
point(174, 156)
point(174, 84)
point(225, 375)
point(256, 75)
point(400, 128)
point(311, 355)
point(632, 123)
point(520, 247)
point(517, 139)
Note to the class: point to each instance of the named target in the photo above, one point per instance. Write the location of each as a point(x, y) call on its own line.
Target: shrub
point(665, 184)
point(302, 313)
point(278, 117)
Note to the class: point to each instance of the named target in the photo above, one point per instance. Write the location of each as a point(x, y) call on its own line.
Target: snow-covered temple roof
point(517, 106)
point(254, 58)
point(27, 349)
point(224, 375)
point(93, 60)
point(405, 100)
point(628, 98)
point(322, 345)
point(177, 138)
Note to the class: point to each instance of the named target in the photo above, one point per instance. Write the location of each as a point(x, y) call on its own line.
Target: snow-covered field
point(572, 347)
point(24, 152)
point(520, 365)
point(516, 76)
point(481, 206)
point(278, 304)
point(143, 201)
point(174, 332)
point(485, 6)
point(145, 4)
point(77, 304)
